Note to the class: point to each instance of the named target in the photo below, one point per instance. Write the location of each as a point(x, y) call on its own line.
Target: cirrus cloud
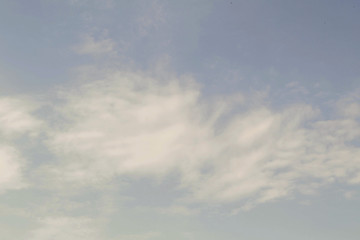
point(135, 125)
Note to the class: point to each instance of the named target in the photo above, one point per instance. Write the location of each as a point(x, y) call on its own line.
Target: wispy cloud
point(96, 47)
point(135, 125)
point(152, 17)
point(16, 117)
point(16, 120)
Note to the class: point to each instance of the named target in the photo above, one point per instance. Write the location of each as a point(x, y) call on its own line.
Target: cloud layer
point(157, 130)
point(58, 228)
point(223, 150)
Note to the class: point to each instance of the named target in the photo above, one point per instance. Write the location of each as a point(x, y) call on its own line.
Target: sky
point(193, 119)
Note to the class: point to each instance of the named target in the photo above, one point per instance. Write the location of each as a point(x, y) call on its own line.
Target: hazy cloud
point(11, 165)
point(152, 17)
point(92, 46)
point(16, 121)
point(59, 228)
point(16, 117)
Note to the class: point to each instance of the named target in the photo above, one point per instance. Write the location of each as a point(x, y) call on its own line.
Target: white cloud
point(79, 228)
point(69, 228)
point(349, 106)
point(129, 114)
point(132, 124)
point(10, 168)
point(96, 47)
point(16, 118)
point(15, 121)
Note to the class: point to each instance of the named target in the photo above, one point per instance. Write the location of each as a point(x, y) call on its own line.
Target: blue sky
point(142, 120)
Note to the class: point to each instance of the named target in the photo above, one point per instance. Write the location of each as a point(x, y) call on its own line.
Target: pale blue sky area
point(305, 41)
point(189, 119)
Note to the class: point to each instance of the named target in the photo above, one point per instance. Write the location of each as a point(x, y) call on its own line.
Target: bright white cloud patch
point(131, 124)
point(16, 118)
point(10, 168)
point(15, 121)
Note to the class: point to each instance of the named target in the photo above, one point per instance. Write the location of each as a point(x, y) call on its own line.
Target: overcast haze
point(201, 119)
